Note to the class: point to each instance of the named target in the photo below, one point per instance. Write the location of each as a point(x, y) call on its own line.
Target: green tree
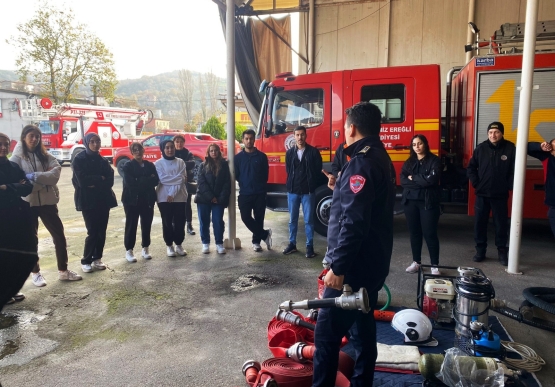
point(239, 129)
point(215, 128)
point(63, 56)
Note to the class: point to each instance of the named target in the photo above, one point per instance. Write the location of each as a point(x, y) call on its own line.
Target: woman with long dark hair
point(139, 195)
point(212, 197)
point(93, 179)
point(43, 170)
point(421, 196)
point(172, 196)
point(18, 245)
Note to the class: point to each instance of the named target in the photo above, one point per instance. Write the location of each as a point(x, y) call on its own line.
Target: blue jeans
point(217, 212)
point(308, 202)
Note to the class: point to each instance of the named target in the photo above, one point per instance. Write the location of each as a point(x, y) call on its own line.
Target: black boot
point(503, 256)
point(190, 230)
point(479, 256)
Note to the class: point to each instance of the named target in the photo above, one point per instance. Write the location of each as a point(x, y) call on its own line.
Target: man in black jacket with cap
point(491, 172)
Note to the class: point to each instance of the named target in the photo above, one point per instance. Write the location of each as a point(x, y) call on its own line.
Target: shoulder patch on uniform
point(365, 149)
point(357, 183)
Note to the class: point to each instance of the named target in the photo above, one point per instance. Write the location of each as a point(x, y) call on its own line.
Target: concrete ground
point(194, 320)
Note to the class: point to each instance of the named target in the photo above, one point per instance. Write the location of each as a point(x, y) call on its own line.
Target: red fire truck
point(485, 90)
point(64, 126)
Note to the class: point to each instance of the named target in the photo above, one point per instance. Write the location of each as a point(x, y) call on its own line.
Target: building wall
point(379, 33)
point(10, 122)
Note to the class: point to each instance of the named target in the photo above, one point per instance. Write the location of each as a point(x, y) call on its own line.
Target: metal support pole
point(231, 242)
point(526, 85)
point(311, 17)
point(469, 34)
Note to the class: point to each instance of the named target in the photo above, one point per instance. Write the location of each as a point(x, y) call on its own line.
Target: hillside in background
point(161, 92)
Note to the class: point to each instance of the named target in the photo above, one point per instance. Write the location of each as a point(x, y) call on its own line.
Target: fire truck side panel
point(409, 98)
point(493, 96)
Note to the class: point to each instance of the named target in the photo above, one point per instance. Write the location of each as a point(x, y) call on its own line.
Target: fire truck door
point(105, 134)
point(298, 105)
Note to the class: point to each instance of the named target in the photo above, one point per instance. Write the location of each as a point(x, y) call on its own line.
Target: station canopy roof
point(262, 7)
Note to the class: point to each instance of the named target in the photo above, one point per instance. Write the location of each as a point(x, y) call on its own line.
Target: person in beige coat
point(43, 170)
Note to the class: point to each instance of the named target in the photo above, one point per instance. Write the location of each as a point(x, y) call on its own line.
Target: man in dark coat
point(360, 243)
point(251, 172)
point(545, 152)
point(491, 173)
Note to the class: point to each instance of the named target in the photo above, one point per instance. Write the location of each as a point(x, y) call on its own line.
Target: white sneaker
point(86, 268)
point(413, 268)
point(170, 252)
point(435, 271)
point(179, 250)
point(256, 247)
point(268, 239)
point(38, 279)
point(69, 275)
point(221, 249)
point(130, 256)
point(145, 253)
point(97, 264)
point(205, 248)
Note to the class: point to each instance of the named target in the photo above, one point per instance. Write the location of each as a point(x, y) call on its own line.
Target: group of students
point(28, 191)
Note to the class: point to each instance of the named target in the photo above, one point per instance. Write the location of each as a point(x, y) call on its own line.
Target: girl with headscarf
point(212, 197)
point(43, 170)
point(18, 243)
point(172, 197)
point(184, 154)
point(93, 179)
point(139, 182)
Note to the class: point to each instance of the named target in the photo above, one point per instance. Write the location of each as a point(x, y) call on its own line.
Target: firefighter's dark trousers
point(500, 211)
point(332, 325)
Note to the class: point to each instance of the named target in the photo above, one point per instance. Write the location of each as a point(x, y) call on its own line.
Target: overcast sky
point(146, 37)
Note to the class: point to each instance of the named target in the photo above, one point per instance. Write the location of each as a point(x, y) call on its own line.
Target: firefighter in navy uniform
point(360, 242)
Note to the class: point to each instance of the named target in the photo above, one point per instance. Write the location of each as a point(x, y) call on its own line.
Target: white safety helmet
point(416, 327)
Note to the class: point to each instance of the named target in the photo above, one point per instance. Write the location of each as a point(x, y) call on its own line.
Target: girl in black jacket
point(18, 242)
point(93, 179)
point(138, 197)
point(420, 181)
point(214, 188)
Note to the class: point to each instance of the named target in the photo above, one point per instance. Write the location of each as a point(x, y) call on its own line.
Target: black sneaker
point(190, 229)
point(291, 248)
point(503, 257)
point(310, 252)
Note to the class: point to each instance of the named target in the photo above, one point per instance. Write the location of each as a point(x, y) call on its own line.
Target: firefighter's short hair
point(366, 117)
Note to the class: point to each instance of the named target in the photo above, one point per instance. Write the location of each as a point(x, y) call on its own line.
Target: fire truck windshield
point(292, 108)
point(49, 127)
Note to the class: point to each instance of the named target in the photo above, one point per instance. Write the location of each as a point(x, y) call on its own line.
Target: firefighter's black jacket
point(360, 231)
point(491, 169)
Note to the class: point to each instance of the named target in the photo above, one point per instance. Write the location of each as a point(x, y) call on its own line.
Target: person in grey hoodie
point(43, 171)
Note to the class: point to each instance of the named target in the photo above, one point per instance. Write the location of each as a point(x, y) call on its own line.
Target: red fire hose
point(285, 373)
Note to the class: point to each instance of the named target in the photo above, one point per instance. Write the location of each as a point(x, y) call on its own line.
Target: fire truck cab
point(64, 126)
point(409, 98)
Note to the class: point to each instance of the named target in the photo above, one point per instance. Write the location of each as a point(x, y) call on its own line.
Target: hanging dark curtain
point(248, 77)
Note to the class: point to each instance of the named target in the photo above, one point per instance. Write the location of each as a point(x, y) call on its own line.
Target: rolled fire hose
point(293, 319)
point(347, 301)
point(283, 372)
point(302, 353)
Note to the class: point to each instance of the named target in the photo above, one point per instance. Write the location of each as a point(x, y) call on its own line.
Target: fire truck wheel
point(121, 162)
point(322, 210)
